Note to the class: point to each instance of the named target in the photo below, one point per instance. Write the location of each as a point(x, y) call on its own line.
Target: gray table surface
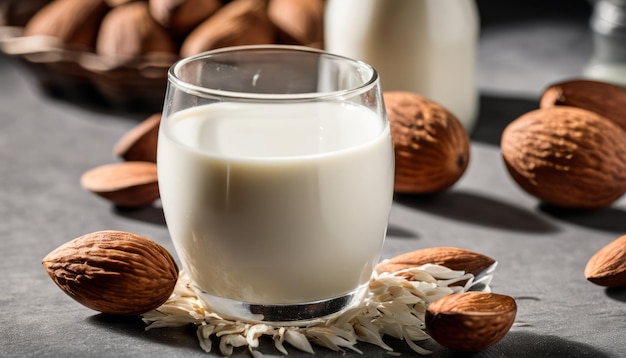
point(46, 144)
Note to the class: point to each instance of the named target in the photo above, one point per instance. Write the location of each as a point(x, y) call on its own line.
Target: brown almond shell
point(113, 272)
point(607, 267)
point(603, 98)
point(241, 22)
point(451, 257)
point(431, 146)
point(73, 22)
point(127, 184)
point(128, 31)
point(140, 143)
point(567, 156)
point(470, 321)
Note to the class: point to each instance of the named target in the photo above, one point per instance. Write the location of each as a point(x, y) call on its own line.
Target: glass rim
point(201, 91)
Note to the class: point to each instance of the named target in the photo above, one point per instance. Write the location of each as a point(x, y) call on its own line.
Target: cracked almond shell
point(566, 156)
point(113, 272)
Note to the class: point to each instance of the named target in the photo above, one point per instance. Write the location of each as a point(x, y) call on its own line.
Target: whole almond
point(605, 99)
point(567, 156)
point(140, 143)
point(129, 31)
point(450, 257)
point(182, 16)
point(607, 267)
point(299, 22)
point(73, 22)
point(127, 184)
point(113, 272)
point(431, 146)
point(240, 22)
point(470, 321)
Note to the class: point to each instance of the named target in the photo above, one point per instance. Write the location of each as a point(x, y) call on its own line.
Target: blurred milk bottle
point(608, 24)
point(422, 46)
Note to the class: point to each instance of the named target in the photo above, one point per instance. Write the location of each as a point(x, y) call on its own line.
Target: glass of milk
point(275, 169)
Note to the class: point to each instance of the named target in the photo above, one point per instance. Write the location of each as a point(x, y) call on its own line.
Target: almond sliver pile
point(395, 306)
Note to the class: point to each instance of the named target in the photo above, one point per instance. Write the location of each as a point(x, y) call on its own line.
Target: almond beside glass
point(128, 184)
point(431, 146)
point(140, 143)
point(450, 257)
point(470, 321)
point(113, 272)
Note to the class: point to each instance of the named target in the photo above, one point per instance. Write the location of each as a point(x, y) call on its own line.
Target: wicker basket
point(137, 84)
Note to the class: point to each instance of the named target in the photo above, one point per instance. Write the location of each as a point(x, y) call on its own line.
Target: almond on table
point(432, 148)
point(607, 267)
point(113, 272)
point(567, 156)
point(470, 321)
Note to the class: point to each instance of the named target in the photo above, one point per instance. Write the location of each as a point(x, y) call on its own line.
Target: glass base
point(297, 314)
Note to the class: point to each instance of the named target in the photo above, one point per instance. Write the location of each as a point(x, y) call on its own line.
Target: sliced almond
point(128, 184)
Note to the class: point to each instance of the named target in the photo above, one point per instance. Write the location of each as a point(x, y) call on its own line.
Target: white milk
point(276, 204)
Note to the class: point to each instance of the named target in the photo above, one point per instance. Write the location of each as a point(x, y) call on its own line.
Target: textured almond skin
point(181, 16)
point(470, 321)
point(300, 22)
point(73, 22)
point(450, 257)
point(129, 184)
point(128, 31)
point(140, 143)
point(432, 149)
point(113, 272)
point(567, 156)
point(240, 22)
point(607, 267)
point(603, 98)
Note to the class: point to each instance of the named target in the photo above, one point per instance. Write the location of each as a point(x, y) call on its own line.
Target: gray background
point(46, 144)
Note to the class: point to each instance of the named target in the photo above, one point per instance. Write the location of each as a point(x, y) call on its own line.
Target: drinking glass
point(275, 169)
